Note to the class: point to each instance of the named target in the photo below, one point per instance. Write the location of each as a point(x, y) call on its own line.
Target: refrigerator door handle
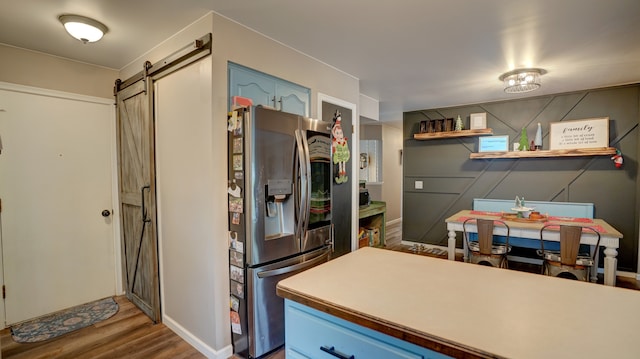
point(297, 147)
point(306, 199)
point(304, 183)
point(284, 270)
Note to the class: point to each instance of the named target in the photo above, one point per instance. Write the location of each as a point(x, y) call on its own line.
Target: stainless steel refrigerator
point(279, 216)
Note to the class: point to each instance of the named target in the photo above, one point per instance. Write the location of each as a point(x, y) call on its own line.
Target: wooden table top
point(466, 309)
point(608, 230)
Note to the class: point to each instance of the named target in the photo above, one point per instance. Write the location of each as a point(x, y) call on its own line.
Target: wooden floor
point(131, 334)
point(128, 334)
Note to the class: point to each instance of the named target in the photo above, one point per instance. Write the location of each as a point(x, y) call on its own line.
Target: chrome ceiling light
point(83, 28)
point(522, 80)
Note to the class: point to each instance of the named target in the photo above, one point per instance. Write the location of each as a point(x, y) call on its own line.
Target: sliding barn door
point(137, 198)
point(137, 175)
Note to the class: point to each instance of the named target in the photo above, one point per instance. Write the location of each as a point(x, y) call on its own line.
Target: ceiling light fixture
point(522, 80)
point(83, 28)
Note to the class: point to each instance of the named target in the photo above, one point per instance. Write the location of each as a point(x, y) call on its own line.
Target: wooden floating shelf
point(603, 151)
point(452, 134)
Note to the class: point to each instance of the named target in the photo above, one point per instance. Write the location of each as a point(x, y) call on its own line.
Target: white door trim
point(55, 93)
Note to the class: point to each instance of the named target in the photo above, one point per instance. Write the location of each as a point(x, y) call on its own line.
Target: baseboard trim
point(633, 275)
point(393, 221)
point(202, 347)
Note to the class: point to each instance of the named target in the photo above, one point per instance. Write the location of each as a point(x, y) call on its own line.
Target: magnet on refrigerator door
point(235, 205)
point(235, 322)
point(234, 190)
point(234, 303)
point(237, 289)
point(234, 123)
point(236, 273)
point(234, 243)
point(237, 162)
point(237, 145)
point(236, 258)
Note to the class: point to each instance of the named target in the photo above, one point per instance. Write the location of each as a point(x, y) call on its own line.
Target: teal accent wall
point(451, 180)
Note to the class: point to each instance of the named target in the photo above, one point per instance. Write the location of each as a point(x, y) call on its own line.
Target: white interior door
point(55, 181)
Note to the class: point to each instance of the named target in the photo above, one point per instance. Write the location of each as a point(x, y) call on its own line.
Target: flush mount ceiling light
point(83, 28)
point(522, 80)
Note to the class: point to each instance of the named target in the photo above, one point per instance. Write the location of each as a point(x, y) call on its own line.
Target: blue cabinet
point(314, 334)
point(269, 91)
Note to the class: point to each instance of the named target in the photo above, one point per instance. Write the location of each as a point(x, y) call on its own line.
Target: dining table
point(530, 229)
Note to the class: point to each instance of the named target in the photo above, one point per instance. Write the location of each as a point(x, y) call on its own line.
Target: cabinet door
point(293, 98)
point(251, 84)
point(267, 90)
point(313, 334)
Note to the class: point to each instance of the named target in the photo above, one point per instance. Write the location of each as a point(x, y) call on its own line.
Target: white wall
point(185, 166)
point(369, 108)
point(30, 68)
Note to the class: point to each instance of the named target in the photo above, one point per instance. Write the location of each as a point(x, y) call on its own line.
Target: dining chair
point(484, 250)
point(568, 262)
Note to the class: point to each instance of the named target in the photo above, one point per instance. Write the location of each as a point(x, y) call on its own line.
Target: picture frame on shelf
point(493, 143)
point(478, 121)
point(579, 134)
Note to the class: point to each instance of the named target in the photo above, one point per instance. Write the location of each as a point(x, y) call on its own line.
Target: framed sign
point(493, 143)
point(478, 121)
point(589, 133)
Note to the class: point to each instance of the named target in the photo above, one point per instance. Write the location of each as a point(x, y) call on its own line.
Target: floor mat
point(68, 320)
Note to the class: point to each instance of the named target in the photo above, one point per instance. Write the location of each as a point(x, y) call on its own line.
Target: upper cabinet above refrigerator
point(269, 91)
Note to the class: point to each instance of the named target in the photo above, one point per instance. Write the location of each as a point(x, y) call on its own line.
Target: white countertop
point(499, 312)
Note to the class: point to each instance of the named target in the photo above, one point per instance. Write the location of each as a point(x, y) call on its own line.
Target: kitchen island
point(459, 309)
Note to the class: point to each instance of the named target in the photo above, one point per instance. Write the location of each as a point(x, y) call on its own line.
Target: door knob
point(106, 213)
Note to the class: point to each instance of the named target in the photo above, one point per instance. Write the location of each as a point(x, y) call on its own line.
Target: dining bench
point(565, 209)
